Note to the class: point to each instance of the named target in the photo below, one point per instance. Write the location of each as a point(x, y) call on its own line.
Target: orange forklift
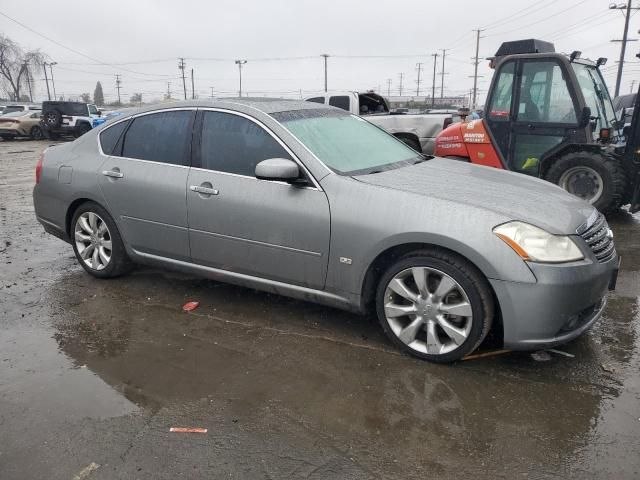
point(550, 115)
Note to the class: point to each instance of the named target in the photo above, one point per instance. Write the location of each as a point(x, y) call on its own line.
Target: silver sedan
point(312, 202)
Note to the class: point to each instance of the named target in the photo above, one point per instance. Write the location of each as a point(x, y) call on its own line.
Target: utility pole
point(388, 87)
point(476, 62)
point(325, 55)
point(211, 92)
point(419, 67)
point(25, 67)
point(46, 79)
point(623, 48)
point(193, 91)
point(240, 63)
point(53, 85)
point(433, 87)
point(401, 75)
point(442, 73)
point(181, 66)
point(168, 90)
point(118, 87)
point(633, 83)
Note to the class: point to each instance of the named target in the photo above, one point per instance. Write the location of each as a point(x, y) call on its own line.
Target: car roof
point(263, 104)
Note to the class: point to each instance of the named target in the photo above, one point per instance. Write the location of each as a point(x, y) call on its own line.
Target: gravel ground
point(93, 374)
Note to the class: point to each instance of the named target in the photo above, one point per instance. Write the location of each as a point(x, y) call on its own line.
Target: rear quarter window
point(109, 137)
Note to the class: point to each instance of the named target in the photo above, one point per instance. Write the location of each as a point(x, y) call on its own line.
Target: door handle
point(112, 174)
point(203, 190)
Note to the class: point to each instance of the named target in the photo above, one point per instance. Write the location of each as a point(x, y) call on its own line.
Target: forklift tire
point(598, 178)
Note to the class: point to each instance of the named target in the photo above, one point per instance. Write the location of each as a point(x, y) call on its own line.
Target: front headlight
point(536, 245)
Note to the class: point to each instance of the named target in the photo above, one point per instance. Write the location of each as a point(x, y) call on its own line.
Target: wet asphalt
point(94, 373)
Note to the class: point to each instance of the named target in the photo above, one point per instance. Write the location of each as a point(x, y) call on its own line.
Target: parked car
point(623, 107)
point(416, 130)
point(21, 108)
point(111, 115)
point(20, 124)
point(67, 118)
point(315, 203)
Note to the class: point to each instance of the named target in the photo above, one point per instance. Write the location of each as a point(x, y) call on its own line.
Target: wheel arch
point(408, 136)
point(73, 206)
point(386, 257)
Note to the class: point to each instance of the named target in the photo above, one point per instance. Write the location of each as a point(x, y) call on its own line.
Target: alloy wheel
point(584, 182)
point(93, 240)
point(428, 310)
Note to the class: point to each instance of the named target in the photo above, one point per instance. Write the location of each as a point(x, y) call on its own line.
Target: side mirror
point(99, 113)
point(278, 169)
point(585, 117)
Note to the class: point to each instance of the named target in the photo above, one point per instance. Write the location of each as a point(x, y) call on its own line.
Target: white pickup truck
point(418, 131)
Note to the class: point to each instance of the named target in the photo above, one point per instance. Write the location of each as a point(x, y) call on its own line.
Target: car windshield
point(596, 96)
point(346, 143)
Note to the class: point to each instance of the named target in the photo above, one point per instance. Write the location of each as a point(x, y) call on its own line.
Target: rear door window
point(234, 144)
point(340, 101)
point(163, 137)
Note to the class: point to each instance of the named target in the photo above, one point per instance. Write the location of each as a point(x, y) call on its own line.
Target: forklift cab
point(541, 101)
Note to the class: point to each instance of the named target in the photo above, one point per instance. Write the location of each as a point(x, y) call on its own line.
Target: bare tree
point(86, 98)
point(15, 65)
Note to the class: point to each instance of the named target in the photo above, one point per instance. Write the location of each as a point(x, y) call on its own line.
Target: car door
point(144, 178)
point(268, 229)
point(545, 114)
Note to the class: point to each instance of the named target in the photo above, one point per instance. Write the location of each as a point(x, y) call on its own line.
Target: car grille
point(598, 238)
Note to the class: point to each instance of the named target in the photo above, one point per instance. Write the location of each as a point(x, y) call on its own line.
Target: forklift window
point(544, 95)
point(501, 100)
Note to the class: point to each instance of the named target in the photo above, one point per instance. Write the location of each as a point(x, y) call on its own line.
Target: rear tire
point(81, 130)
point(598, 178)
point(416, 298)
point(97, 242)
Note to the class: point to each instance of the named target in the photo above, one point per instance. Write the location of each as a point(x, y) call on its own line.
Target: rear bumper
point(564, 303)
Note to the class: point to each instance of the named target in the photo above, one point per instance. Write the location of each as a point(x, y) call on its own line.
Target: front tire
point(97, 243)
point(36, 133)
point(434, 305)
point(597, 178)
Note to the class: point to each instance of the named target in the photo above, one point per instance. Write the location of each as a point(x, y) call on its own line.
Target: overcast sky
point(149, 36)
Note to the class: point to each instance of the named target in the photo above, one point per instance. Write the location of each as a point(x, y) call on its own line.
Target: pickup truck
point(418, 131)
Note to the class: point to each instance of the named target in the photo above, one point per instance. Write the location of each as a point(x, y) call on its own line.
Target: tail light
point(39, 167)
point(9, 120)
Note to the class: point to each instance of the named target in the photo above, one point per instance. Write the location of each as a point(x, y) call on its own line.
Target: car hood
point(514, 196)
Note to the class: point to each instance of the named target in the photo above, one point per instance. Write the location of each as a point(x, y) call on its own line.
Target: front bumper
point(564, 303)
point(9, 132)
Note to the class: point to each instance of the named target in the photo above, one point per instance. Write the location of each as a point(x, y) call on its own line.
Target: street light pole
point(325, 55)
point(240, 63)
point(53, 85)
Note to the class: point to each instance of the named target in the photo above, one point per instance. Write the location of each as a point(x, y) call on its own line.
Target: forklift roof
point(525, 46)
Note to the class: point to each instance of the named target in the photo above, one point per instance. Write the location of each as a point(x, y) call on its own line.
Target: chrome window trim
point(131, 117)
point(273, 135)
